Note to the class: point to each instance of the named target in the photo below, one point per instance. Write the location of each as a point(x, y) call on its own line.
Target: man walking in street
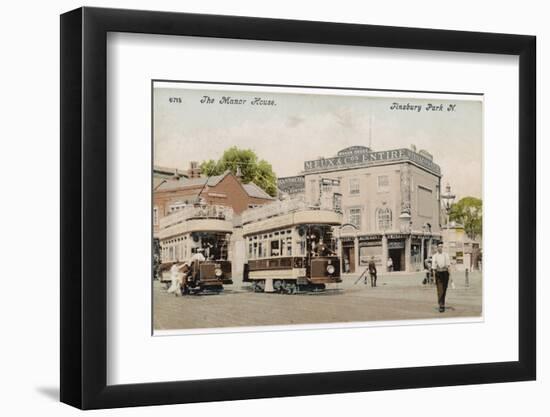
point(372, 272)
point(441, 264)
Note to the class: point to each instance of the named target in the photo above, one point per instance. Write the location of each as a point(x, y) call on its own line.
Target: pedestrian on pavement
point(372, 272)
point(389, 264)
point(440, 265)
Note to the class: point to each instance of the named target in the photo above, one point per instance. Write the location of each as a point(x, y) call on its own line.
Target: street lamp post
point(448, 200)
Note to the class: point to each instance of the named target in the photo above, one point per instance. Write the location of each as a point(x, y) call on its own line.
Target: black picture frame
point(84, 207)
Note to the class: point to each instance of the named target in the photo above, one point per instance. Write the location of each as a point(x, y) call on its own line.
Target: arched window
point(384, 218)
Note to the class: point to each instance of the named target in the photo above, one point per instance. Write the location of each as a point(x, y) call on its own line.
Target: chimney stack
point(194, 170)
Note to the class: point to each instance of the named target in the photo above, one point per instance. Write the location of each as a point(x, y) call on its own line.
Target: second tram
point(290, 248)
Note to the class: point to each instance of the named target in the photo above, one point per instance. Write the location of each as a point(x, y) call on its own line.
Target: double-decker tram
point(194, 244)
point(290, 247)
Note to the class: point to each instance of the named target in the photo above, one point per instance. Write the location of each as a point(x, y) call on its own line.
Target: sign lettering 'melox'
point(370, 158)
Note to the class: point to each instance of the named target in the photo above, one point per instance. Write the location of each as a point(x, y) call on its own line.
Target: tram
point(290, 248)
point(196, 240)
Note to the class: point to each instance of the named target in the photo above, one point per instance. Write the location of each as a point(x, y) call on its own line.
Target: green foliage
point(469, 212)
point(253, 170)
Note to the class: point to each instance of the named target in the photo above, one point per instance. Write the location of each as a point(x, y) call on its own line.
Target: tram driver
point(322, 250)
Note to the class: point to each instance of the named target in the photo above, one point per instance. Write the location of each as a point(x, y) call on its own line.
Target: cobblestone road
point(398, 296)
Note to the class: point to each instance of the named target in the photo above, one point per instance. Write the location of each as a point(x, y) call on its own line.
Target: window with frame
point(383, 183)
point(384, 217)
point(176, 206)
point(355, 216)
point(155, 216)
point(337, 202)
point(312, 191)
point(354, 186)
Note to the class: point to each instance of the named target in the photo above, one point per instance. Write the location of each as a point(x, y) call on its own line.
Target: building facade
point(390, 201)
point(465, 253)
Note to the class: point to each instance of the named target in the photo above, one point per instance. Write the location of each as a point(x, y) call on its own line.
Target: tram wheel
point(290, 287)
point(278, 285)
point(258, 286)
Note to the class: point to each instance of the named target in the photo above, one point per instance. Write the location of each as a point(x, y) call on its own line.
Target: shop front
point(392, 252)
point(370, 248)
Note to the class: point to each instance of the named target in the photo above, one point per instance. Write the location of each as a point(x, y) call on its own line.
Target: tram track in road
point(239, 307)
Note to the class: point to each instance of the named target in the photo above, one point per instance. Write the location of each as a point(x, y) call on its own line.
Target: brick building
point(177, 192)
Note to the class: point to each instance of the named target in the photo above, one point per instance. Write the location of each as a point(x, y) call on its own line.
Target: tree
point(469, 212)
point(253, 170)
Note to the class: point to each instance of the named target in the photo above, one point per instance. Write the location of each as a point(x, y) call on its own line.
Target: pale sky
point(303, 127)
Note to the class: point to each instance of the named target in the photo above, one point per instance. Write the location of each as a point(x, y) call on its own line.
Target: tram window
point(288, 246)
point(302, 247)
point(275, 248)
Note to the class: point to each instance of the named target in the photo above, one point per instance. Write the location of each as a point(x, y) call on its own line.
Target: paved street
point(397, 296)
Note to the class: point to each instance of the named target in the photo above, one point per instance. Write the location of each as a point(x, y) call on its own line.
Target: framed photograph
point(259, 208)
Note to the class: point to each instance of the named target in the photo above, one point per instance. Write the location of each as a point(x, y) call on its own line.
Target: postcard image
point(294, 207)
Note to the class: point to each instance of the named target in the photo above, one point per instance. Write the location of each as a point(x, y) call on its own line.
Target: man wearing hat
point(195, 261)
point(441, 264)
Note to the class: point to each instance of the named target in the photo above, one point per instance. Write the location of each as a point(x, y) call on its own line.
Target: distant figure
point(372, 272)
point(441, 264)
point(428, 268)
point(389, 264)
point(346, 265)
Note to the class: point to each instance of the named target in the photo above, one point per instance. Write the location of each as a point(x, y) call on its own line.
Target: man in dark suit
point(372, 272)
point(441, 264)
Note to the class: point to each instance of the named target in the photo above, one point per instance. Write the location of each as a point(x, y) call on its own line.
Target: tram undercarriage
point(287, 286)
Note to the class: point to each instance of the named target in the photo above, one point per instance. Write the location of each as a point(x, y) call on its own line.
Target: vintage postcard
point(297, 206)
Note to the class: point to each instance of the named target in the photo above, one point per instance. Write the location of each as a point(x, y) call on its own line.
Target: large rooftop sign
point(360, 156)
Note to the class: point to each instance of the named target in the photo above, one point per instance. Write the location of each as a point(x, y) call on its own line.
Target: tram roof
point(296, 218)
point(196, 225)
